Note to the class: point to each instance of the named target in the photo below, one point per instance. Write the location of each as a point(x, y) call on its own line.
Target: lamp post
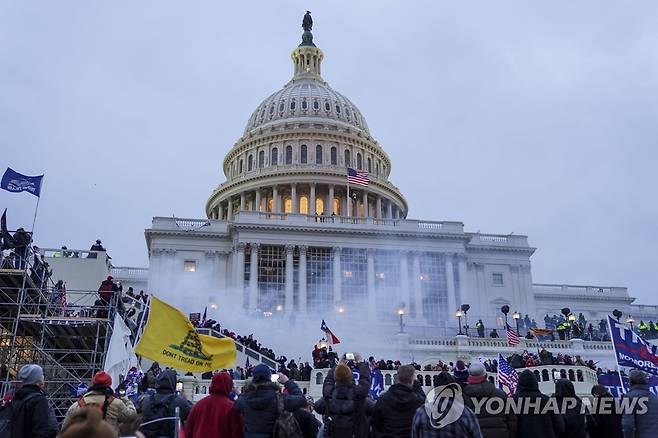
point(459, 315)
point(401, 315)
point(617, 314)
point(505, 311)
point(516, 316)
point(464, 308)
point(630, 321)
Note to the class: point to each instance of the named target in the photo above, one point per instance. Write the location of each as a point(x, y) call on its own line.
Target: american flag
point(507, 376)
point(512, 336)
point(357, 177)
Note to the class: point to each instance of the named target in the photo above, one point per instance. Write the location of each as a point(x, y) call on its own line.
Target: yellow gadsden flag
point(171, 339)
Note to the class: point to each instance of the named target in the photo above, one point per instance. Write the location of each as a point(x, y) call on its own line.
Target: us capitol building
point(284, 236)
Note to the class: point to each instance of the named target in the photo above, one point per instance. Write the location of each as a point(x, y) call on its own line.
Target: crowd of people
point(273, 405)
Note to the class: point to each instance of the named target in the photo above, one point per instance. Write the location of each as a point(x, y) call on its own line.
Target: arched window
point(250, 163)
point(334, 156)
point(336, 207)
point(287, 205)
point(327, 107)
point(377, 169)
point(274, 159)
point(318, 154)
point(288, 154)
point(369, 165)
point(261, 159)
point(292, 105)
point(240, 167)
point(303, 158)
point(347, 158)
point(304, 104)
point(316, 105)
point(303, 205)
point(359, 162)
point(319, 205)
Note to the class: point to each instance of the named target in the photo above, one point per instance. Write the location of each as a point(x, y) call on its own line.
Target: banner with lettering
point(631, 350)
point(612, 384)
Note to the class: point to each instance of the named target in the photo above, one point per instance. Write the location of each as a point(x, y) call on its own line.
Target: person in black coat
point(394, 411)
point(308, 424)
point(602, 423)
point(534, 424)
point(574, 417)
point(33, 416)
point(165, 394)
point(258, 402)
point(344, 403)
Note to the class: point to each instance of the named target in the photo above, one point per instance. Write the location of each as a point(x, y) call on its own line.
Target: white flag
point(120, 353)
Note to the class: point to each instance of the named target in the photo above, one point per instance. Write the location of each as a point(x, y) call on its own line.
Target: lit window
point(189, 266)
point(348, 274)
point(497, 278)
point(287, 205)
point(303, 205)
point(380, 275)
point(319, 205)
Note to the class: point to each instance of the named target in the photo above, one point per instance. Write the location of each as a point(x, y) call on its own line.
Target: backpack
point(101, 407)
point(12, 415)
point(286, 425)
point(340, 416)
point(159, 409)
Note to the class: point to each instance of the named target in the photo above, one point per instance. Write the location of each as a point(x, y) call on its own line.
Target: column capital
point(416, 252)
point(335, 250)
point(302, 249)
point(461, 257)
point(240, 246)
point(290, 249)
point(371, 252)
point(254, 245)
point(210, 254)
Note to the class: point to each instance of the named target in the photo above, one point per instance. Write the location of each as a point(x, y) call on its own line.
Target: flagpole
point(36, 210)
point(621, 378)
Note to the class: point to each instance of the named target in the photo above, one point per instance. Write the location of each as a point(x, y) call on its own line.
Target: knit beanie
point(476, 373)
point(88, 423)
point(30, 374)
point(103, 379)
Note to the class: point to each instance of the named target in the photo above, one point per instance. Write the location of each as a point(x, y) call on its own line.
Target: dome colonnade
point(295, 151)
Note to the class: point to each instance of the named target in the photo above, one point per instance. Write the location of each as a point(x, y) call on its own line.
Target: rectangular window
point(271, 277)
point(434, 287)
point(497, 279)
point(387, 285)
point(319, 280)
point(189, 266)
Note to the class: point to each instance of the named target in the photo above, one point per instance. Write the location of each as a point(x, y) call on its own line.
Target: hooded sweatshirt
point(574, 420)
point(215, 416)
point(534, 424)
point(395, 410)
point(494, 425)
point(165, 391)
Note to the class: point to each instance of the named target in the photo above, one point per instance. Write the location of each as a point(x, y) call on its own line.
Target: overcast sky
point(537, 118)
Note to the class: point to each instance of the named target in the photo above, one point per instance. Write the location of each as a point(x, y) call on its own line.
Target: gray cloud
point(534, 118)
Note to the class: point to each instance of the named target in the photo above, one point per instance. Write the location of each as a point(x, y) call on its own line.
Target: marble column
point(389, 209)
point(461, 293)
point(229, 214)
point(258, 195)
point(253, 278)
point(242, 201)
point(378, 213)
point(302, 281)
point(275, 200)
point(311, 201)
point(293, 198)
point(450, 280)
point(338, 275)
point(239, 267)
point(365, 204)
point(289, 281)
point(404, 280)
point(220, 211)
point(415, 281)
point(329, 208)
point(372, 300)
point(348, 204)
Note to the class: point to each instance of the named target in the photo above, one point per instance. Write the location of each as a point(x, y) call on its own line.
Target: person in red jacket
point(214, 416)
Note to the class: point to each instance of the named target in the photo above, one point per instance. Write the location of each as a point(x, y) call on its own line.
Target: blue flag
point(13, 181)
point(376, 383)
point(612, 384)
point(631, 350)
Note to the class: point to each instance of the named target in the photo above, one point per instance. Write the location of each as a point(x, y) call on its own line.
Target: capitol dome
point(296, 152)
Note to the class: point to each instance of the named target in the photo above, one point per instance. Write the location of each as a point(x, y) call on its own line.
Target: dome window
point(337, 109)
point(303, 155)
point(293, 104)
point(274, 157)
point(347, 112)
point(316, 105)
point(240, 166)
point(288, 154)
point(334, 156)
point(318, 154)
point(250, 163)
point(347, 158)
point(282, 107)
point(359, 162)
point(304, 104)
point(261, 159)
point(272, 109)
point(369, 165)
point(327, 107)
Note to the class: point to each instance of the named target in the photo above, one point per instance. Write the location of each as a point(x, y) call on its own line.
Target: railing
point(242, 348)
point(125, 272)
point(545, 288)
point(499, 239)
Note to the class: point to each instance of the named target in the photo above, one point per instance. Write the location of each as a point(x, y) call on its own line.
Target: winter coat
point(165, 388)
point(494, 425)
point(37, 415)
point(605, 425)
point(574, 418)
point(308, 424)
point(395, 410)
point(346, 402)
point(119, 410)
point(258, 405)
point(107, 289)
point(644, 425)
point(534, 424)
point(466, 426)
point(215, 416)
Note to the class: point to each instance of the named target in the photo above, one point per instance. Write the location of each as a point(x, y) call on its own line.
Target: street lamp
point(401, 314)
point(341, 309)
point(630, 321)
point(517, 316)
point(617, 314)
point(572, 317)
point(459, 315)
point(505, 311)
point(322, 344)
point(464, 308)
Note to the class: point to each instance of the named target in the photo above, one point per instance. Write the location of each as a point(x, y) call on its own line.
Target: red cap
point(103, 379)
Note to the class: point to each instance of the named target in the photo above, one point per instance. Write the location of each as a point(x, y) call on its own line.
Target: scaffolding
point(66, 335)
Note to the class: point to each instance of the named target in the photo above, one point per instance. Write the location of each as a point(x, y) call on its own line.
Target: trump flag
point(631, 350)
point(171, 339)
point(15, 182)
